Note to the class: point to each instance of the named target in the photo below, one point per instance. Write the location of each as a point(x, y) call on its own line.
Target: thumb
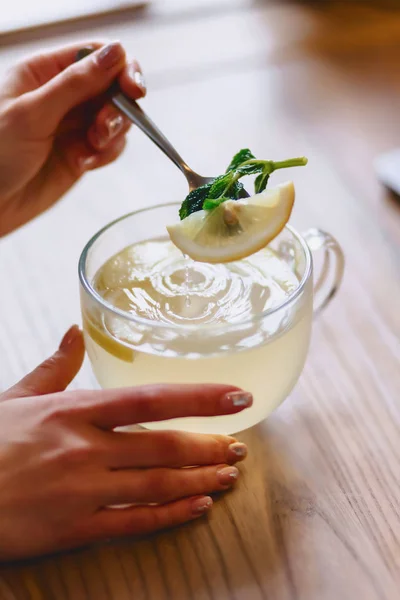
point(55, 373)
point(79, 82)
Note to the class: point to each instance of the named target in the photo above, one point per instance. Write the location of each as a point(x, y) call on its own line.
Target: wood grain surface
point(317, 513)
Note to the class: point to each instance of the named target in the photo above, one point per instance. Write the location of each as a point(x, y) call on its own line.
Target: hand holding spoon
point(135, 113)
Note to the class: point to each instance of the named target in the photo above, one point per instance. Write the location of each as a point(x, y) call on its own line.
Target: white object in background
point(387, 167)
point(28, 14)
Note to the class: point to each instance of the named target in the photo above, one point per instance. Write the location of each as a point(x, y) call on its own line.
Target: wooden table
point(317, 513)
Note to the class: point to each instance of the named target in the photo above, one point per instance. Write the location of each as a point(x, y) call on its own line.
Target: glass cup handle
point(328, 281)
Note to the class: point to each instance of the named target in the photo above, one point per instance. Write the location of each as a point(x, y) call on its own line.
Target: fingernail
point(140, 80)
point(86, 162)
point(239, 399)
point(201, 505)
point(110, 55)
point(114, 125)
point(138, 77)
point(70, 337)
point(238, 450)
point(227, 475)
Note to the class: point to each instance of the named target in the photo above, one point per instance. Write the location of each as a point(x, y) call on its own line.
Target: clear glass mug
point(263, 354)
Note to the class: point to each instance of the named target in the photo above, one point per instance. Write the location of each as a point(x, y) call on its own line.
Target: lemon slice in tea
point(103, 339)
point(236, 228)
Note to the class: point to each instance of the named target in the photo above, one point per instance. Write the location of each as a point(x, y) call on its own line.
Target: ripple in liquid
point(155, 281)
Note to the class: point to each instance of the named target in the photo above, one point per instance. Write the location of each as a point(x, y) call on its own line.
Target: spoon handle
point(134, 112)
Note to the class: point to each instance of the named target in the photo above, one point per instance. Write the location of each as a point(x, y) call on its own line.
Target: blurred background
point(284, 78)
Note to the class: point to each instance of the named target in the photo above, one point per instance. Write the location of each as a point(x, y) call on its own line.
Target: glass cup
point(263, 353)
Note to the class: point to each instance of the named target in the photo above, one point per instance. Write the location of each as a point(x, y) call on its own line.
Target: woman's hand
point(56, 123)
point(62, 465)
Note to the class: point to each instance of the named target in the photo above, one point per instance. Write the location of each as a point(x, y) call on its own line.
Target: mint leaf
point(239, 158)
point(227, 186)
point(269, 166)
point(223, 186)
point(211, 203)
point(251, 169)
point(235, 190)
point(261, 182)
point(220, 185)
point(194, 201)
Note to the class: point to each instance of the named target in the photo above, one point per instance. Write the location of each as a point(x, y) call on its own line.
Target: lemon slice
point(236, 228)
point(109, 344)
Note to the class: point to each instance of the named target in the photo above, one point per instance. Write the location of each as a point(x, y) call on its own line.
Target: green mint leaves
point(228, 187)
point(240, 158)
point(194, 201)
point(210, 203)
point(224, 186)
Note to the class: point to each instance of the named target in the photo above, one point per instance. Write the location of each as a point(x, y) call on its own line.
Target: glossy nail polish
point(201, 505)
point(69, 338)
point(239, 399)
point(114, 126)
point(140, 80)
point(86, 162)
point(227, 475)
point(137, 76)
point(110, 55)
point(238, 450)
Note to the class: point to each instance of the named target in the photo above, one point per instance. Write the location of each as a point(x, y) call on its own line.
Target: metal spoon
point(134, 112)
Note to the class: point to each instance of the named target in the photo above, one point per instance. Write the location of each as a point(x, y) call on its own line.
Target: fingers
point(73, 156)
point(79, 156)
point(132, 81)
point(112, 408)
point(79, 82)
point(117, 522)
point(102, 158)
point(39, 68)
point(108, 124)
point(160, 485)
point(55, 373)
point(170, 449)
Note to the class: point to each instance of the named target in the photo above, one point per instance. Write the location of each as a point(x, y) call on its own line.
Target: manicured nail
point(101, 136)
point(201, 505)
point(227, 475)
point(239, 399)
point(238, 450)
point(114, 125)
point(70, 337)
point(86, 163)
point(140, 80)
point(110, 55)
point(138, 76)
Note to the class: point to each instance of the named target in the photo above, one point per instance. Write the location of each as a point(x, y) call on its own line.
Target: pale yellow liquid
point(152, 280)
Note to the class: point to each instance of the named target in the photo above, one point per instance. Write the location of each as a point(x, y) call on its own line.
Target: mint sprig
point(239, 158)
point(228, 187)
point(210, 203)
point(194, 201)
point(223, 186)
